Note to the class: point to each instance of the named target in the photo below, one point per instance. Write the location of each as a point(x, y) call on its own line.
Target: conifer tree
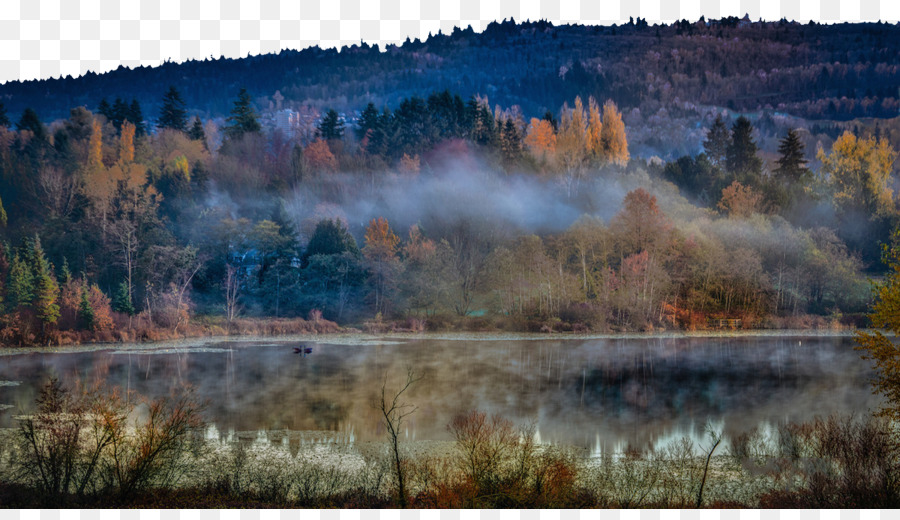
point(368, 120)
point(792, 164)
point(243, 118)
point(30, 121)
point(136, 117)
point(105, 109)
point(716, 143)
point(332, 126)
point(65, 275)
point(741, 158)
point(85, 311)
point(120, 113)
point(21, 283)
point(4, 118)
point(196, 132)
point(122, 302)
point(46, 290)
point(173, 114)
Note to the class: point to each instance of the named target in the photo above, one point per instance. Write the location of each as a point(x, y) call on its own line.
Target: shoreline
point(363, 338)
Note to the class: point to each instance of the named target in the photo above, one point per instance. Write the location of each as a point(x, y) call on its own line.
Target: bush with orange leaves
point(499, 465)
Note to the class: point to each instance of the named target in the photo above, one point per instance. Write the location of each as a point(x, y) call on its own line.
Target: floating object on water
point(303, 350)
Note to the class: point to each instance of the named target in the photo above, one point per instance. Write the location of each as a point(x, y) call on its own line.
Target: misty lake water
point(600, 394)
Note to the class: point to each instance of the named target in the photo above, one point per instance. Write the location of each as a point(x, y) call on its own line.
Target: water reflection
point(601, 394)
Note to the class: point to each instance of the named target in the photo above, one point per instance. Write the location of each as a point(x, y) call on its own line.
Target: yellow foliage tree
point(541, 138)
point(380, 252)
point(740, 201)
point(595, 126)
point(858, 173)
point(877, 345)
point(612, 135)
point(381, 242)
point(126, 143)
point(95, 147)
point(320, 157)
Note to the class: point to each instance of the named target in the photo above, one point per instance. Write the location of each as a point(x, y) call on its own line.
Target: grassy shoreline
point(357, 337)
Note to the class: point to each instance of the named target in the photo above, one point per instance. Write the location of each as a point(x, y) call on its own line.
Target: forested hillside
point(529, 178)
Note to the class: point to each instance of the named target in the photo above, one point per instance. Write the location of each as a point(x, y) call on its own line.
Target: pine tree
point(243, 118)
point(4, 118)
point(105, 109)
point(740, 158)
point(331, 127)
point(792, 164)
point(120, 112)
point(136, 117)
point(65, 275)
point(30, 121)
point(46, 290)
point(716, 143)
point(122, 302)
point(173, 114)
point(21, 283)
point(196, 132)
point(368, 120)
point(85, 311)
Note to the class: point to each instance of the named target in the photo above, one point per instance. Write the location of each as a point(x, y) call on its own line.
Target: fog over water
point(594, 393)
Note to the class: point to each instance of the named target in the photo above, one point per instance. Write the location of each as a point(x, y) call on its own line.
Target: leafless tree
point(57, 190)
point(232, 291)
point(394, 410)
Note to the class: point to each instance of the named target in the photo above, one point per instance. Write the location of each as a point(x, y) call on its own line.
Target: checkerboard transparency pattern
point(50, 38)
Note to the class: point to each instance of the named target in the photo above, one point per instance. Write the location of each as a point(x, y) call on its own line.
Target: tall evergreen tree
point(136, 117)
point(196, 132)
point(173, 114)
point(65, 275)
point(30, 121)
point(792, 163)
point(243, 118)
point(120, 113)
point(368, 120)
point(21, 283)
point(85, 311)
point(716, 143)
point(122, 300)
point(331, 127)
point(105, 109)
point(46, 290)
point(4, 118)
point(740, 157)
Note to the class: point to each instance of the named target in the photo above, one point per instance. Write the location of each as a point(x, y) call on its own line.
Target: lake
point(599, 393)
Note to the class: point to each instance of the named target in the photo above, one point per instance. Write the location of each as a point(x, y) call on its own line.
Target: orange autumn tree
point(126, 143)
point(541, 139)
point(380, 253)
point(740, 201)
point(612, 135)
point(320, 157)
point(594, 129)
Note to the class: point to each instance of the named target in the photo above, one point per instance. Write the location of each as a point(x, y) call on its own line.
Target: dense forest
point(404, 199)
